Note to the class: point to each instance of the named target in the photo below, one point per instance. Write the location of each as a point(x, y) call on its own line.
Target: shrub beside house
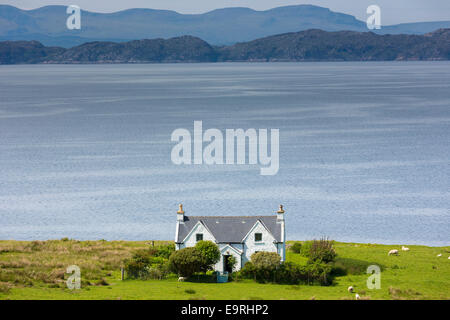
point(264, 267)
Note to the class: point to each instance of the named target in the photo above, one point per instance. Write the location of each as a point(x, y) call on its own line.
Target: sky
point(392, 11)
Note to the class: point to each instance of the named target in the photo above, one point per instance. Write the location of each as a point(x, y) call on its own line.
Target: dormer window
point(199, 237)
point(258, 237)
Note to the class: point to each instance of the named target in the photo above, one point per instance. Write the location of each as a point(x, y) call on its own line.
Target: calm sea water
point(364, 149)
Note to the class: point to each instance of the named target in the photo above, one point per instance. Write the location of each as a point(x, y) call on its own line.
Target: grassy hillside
point(36, 270)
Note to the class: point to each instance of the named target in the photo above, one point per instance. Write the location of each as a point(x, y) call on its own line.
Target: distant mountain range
point(219, 27)
point(310, 45)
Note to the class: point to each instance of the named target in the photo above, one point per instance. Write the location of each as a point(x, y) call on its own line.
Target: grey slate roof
point(230, 229)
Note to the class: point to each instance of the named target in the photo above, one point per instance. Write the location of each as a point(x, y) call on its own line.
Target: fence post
point(122, 274)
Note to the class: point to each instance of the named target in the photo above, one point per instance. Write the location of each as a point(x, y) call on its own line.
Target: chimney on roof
point(180, 213)
point(280, 213)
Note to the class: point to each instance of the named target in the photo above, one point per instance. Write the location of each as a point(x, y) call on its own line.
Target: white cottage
point(239, 236)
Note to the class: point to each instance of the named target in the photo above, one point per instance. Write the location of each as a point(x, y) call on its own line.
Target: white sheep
point(393, 251)
point(181, 279)
point(357, 297)
point(439, 255)
point(405, 248)
point(350, 289)
point(449, 258)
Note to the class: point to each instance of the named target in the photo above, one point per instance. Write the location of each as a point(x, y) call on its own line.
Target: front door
point(226, 264)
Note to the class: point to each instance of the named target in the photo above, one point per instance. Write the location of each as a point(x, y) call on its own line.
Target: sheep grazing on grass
point(439, 255)
point(393, 251)
point(405, 248)
point(357, 297)
point(350, 289)
point(449, 258)
point(181, 279)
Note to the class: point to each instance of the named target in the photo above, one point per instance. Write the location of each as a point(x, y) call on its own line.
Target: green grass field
point(36, 270)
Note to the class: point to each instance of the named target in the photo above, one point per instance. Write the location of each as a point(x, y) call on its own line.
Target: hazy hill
point(310, 45)
point(217, 27)
point(180, 49)
point(16, 52)
point(318, 45)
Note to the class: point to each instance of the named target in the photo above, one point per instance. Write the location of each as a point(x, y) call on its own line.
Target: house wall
point(251, 246)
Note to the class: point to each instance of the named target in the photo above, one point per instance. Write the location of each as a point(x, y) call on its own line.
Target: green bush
point(145, 265)
point(261, 268)
point(319, 250)
point(296, 247)
point(155, 273)
point(268, 260)
point(165, 251)
point(136, 267)
point(248, 271)
point(306, 248)
point(210, 253)
point(265, 264)
point(186, 262)
point(322, 251)
point(289, 273)
point(318, 272)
